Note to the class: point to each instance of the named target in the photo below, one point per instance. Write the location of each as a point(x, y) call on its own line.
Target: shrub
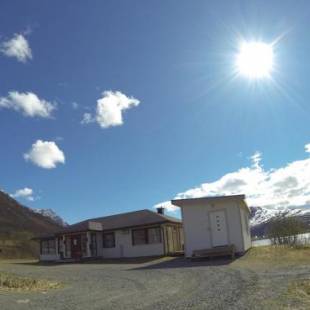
point(12, 282)
point(285, 230)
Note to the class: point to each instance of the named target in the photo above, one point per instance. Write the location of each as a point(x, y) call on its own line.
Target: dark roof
point(124, 220)
point(188, 201)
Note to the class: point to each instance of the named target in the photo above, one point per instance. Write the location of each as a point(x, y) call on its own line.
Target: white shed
point(211, 222)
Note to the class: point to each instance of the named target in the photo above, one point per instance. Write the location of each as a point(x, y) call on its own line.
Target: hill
point(18, 224)
point(260, 218)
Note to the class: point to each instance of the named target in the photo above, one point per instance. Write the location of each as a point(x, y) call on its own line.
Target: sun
point(255, 60)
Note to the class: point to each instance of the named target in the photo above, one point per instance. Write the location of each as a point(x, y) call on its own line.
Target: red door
point(76, 246)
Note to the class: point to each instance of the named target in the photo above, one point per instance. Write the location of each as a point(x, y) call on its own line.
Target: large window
point(108, 240)
point(146, 236)
point(48, 246)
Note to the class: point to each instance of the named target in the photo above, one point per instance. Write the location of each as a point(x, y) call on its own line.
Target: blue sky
point(186, 119)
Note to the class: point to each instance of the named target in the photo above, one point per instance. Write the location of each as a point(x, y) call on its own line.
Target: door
point(218, 228)
point(173, 239)
point(93, 243)
point(76, 248)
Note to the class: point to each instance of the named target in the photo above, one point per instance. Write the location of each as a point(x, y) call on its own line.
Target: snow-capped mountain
point(52, 215)
point(260, 217)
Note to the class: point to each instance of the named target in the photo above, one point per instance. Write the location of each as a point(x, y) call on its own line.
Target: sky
point(114, 106)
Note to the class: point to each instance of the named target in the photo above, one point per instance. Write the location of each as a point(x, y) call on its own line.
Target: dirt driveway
point(168, 283)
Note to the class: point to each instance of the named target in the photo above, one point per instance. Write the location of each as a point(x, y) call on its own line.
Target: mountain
point(260, 218)
point(49, 213)
point(19, 224)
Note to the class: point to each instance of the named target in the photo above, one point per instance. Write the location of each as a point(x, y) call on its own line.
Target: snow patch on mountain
point(260, 215)
point(52, 215)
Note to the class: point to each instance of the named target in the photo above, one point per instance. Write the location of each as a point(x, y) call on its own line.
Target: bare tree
point(285, 230)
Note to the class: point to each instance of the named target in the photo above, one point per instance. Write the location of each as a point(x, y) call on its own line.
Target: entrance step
point(227, 250)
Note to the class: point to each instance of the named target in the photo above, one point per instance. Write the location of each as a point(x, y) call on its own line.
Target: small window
point(109, 240)
point(154, 235)
point(48, 246)
point(139, 236)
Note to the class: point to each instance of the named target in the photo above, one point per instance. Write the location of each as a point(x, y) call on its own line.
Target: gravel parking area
point(167, 283)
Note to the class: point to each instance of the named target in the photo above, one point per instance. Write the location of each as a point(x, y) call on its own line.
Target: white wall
point(244, 214)
point(124, 248)
point(197, 230)
point(49, 257)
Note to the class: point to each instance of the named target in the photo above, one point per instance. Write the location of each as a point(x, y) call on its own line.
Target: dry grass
point(274, 256)
point(299, 291)
point(12, 282)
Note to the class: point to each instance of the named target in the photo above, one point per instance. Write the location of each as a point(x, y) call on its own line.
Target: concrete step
point(228, 250)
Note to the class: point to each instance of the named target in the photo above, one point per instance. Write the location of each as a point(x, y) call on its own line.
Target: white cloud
point(17, 47)
point(307, 148)
point(110, 109)
point(87, 118)
point(287, 186)
point(45, 154)
point(29, 104)
point(26, 193)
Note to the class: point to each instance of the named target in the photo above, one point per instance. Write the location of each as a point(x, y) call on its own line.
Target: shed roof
point(210, 199)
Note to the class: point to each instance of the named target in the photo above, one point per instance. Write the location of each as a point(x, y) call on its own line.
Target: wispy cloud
point(287, 186)
point(75, 105)
point(17, 47)
point(110, 108)
point(87, 118)
point(45, 154)
point(29, 104)
point(26, 193)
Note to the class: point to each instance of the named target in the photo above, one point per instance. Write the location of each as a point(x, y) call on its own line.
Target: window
point(84, 244)
point(48, 246)
point(93, 244)
point(146, 236)
point(68, 246)
point(154, 235)
point(139, 236)
point(108, 240)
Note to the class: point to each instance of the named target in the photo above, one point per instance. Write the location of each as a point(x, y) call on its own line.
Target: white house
point(132, 234)
point(212, 222)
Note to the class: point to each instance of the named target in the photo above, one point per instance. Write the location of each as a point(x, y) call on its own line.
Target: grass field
point(274, 257)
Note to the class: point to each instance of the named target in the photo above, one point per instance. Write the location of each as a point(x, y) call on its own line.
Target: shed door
point(218, 228)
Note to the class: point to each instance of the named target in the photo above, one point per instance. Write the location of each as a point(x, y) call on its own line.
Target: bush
point(285, 230)
point(13, 282)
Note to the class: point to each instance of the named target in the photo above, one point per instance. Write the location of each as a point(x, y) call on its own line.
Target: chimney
point(161, 210)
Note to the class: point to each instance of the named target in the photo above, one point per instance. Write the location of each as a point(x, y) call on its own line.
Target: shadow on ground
point(105, 261)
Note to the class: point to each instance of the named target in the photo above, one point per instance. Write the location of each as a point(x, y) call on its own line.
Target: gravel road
point(158, 284)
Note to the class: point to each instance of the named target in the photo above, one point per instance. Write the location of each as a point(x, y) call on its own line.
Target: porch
point(71, 244)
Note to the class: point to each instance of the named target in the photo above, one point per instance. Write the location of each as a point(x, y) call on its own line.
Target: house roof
point(121, 221)
point(214, 199)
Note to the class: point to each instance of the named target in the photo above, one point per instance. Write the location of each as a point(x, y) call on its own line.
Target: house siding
point(125, 248)
point(244, 215)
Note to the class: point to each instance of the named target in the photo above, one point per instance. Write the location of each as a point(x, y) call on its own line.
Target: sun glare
point(255, 60)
